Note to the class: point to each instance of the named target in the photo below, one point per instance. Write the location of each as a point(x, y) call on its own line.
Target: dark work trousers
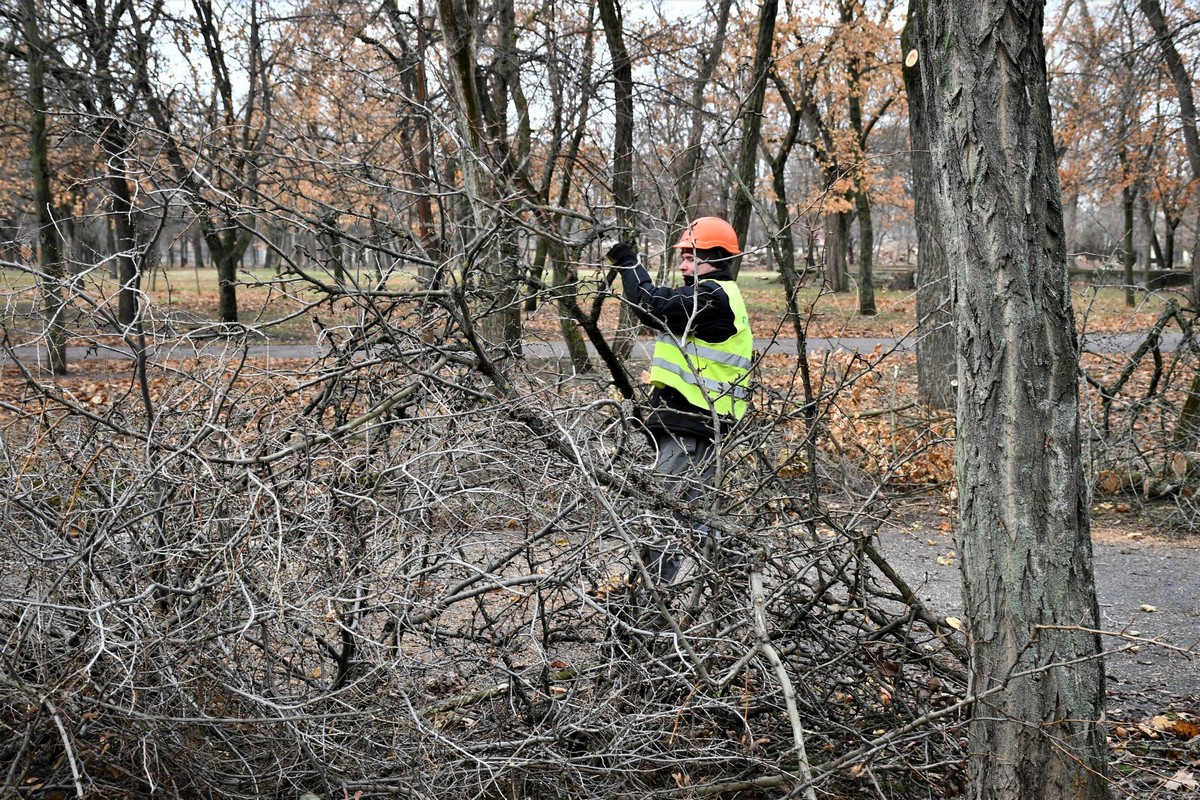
point(684, 465)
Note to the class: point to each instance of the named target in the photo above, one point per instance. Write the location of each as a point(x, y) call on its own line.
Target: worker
point(700, 367)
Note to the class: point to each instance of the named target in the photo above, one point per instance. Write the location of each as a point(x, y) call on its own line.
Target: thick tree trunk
point(198, 246)
point(275, 235)
point(225, 250)
point(227, 267)
point(110, 244)
point(331, 247)
point(9, 232)
point(1027, 567)
point(862, 202)
point(50, 245)
point(505, 326)
point(127, 268)
point(1128, 255)
point(935, 317)
point(1168, 245)
point(866, 254)
point(493, 264)
point(1150, 248)
point(564, 295)
point(128, 271)
point(837, 242)
point(100, 33)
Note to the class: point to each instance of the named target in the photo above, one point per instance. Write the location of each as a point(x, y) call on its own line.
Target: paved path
point(1130, 574)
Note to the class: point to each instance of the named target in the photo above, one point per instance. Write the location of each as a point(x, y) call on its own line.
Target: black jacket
point(701, 309)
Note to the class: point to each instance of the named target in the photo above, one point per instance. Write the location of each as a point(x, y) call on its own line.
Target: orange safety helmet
point(706, 233)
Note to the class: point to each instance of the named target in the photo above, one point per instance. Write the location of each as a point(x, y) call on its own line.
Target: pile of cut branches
point(404, 567)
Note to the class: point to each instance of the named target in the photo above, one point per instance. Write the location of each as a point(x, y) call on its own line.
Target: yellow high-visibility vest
point(709, 372)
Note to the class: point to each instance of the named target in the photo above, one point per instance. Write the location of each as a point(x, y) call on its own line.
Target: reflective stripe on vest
point(714, 388)
point(709, 372)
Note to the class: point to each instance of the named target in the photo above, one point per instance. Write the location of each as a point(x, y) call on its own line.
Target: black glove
point(622, 254)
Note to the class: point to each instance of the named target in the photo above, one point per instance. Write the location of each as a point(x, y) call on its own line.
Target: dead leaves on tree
point(872, 421)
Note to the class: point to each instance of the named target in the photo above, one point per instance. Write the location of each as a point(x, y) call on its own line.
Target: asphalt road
point(1146, 590)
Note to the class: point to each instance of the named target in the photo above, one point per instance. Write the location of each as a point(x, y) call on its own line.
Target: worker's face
point(689, 267)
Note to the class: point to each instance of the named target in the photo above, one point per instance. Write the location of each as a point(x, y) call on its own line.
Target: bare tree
point(935, 318)
point(685, 175)
point(1187, 111)
point(50, 243)
point(854, 14)
point(414, 42)
point(747, 163)
point(228, 144)
point(1023, 504)
point(1189, 417)
point(109, 73)
point(613, 21)
point(481, 95)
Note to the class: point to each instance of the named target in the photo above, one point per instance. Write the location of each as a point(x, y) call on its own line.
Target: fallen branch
point(758, 598)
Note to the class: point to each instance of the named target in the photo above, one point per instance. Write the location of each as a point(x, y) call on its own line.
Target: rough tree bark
point(495, 264)
point(100, 30)
point(935, 317)
point(49, 243)
point(861, 197)
point(505, 80)
point(1027, 565)
point(837, 246)
point(743, 201)
point(866, 248)
point(1128, 254)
